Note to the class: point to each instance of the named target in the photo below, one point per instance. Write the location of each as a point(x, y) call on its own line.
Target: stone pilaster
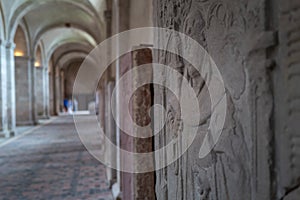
point(3, 93)
point(51, 91)
point(143, 183)
point(47, 93)
point(57, 90)
point(11, 88)
point(24, 93)
point(42, 89)
point(62, 88)
point(32, 77)
point(40, 92)
point(110, 130)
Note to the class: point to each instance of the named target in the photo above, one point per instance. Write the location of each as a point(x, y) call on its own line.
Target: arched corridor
point(150, 99)
point(39, 41)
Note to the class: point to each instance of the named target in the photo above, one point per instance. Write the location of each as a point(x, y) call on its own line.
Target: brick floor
point(51, 163)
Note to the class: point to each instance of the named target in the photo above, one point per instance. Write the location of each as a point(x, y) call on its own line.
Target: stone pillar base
point(117, 195)
point(8, 134)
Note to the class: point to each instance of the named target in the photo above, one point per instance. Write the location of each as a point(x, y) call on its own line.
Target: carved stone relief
point(287, 101)
point(235, 35)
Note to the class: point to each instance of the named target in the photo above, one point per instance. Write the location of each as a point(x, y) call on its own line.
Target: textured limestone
point(23, 91)
point(287, 101)
point(241, 38)
point(39, 92)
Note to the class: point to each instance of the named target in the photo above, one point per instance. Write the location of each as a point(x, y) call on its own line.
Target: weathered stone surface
point(24, 115)
point(10, 84)
point(287, 101)
point(236, 36)
point(293, 195)
point(136, 186)
point(126, 142)
point(39, 92)
point(3, 93)
point(141, 103)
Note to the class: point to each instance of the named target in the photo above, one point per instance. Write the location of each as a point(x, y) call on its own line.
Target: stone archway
point(23, 78)
point(40, 84)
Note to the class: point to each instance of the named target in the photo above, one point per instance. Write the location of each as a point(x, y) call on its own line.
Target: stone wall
point(23, 93)
point(257, 155)
point(286, 80)
point(51, 89)
point(39, 91)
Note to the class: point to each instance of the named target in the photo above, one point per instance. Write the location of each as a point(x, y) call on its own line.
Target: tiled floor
point(51, 163)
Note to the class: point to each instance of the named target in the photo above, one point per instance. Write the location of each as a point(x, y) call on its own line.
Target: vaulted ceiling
point(64, 28)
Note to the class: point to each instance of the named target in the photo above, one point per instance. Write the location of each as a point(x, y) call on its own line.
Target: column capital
point(7, 44)
point(10, 45)
point(2, 42)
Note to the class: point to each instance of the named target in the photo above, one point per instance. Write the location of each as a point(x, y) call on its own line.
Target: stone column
point(110, 131)
point(120, 23)
point(23, 91)
point(136, 186)
point(143, 183)
point(108, 20)
point(3, 94)
point(11, 88)
point(57, 89)
point(126, 141)
point(53, 83)
point(47, 93)
point(39, 91)
point(32, 79)
point(62, 89)
point(51, 92)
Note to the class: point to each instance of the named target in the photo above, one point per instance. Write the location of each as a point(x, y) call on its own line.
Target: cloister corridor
point(50, 162)
point(149, 100)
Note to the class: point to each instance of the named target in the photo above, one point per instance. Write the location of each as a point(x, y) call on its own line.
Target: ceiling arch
point(70, 54)
point(68, 48)
point(40, 34)
point(82, 9)
point(2, 24)
point(58, 33)
point(68, 63)
point(67, 15)
point(66, 59)
point(55, 38)
point(51, 51)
